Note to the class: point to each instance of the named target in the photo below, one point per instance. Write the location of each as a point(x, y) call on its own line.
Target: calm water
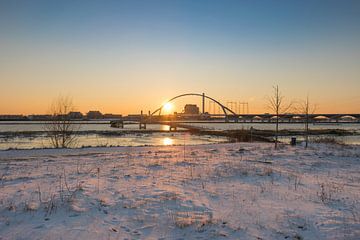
point(92, 134)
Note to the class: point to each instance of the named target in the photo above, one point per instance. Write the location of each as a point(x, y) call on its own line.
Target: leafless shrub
point(296, 180)
point(98, 179)
point(187, 219)
point(328, 190)
point(66, 192)
point(262, 187)
point(50, 205)
point(276, 104)
point(323, 194)
point(60, 129)
point(306, 109)
point(39, 193)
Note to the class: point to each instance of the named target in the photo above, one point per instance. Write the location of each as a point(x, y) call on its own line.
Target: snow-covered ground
point(218, 191)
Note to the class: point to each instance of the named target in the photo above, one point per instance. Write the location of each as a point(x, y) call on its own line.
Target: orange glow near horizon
point(40, 104)
point(125, 57)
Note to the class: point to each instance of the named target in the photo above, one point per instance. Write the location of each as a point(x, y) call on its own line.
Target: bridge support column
point(203, 103)
point(117, 124)
point(172, 127)
point(142, 125)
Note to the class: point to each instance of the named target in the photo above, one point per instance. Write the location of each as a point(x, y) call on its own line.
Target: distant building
point(94, 115)
point(40, 117)
point(112, 116)
point(12, 117)
point(75, 115)
point(191, 109)
point(132, 117)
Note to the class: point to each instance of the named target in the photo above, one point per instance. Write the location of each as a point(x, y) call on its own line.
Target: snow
point(215, 191)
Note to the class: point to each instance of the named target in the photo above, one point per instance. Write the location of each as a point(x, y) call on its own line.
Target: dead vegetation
point(225, 189)
point(327, 140)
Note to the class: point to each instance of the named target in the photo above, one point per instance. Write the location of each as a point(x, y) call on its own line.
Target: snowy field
point(217, 191)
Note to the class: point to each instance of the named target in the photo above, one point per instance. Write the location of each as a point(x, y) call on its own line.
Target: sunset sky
point(124, 56)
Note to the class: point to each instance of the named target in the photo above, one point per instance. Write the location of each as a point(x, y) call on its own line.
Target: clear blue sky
point(143, 52)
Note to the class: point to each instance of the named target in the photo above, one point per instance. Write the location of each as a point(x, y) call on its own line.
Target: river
point(98, 133)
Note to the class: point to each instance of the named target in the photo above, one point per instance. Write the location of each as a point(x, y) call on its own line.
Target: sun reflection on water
point(167, 141)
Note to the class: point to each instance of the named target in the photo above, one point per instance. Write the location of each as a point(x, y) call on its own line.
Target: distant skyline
point(126, 56)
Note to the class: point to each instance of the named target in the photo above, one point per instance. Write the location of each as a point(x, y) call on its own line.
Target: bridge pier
point(172, 127)
point(203, 103)
point(142, 125)
point(117, 124)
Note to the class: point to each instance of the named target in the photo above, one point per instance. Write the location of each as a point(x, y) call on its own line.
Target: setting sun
point(168, 107)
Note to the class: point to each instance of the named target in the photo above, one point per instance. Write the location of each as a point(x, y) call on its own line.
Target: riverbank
point(260, 135)
point(29, 136)
point(154, 137)
point(219, 191)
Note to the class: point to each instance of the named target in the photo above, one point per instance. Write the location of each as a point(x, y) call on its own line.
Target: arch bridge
point(225, 109)
point(228, 115)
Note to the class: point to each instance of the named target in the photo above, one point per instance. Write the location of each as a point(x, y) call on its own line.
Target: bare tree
point(306, 108)
point(277, 105)
point(60, 129)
